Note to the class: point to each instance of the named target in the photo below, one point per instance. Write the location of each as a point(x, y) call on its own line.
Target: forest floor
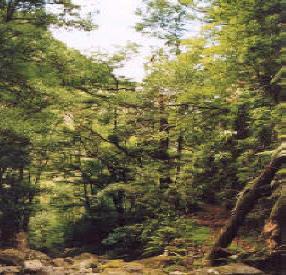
point(215, 217)
point(27, 261)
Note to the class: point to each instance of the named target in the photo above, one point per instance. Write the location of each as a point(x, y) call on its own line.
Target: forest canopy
point(96, 162)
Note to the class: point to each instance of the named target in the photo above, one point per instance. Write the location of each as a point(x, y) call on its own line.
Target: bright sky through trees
point(116, 21)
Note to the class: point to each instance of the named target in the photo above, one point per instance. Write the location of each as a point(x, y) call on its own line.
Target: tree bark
point(244, 205)
point(180, 142)
point(22, 242)
point(163, 156)
point(11, 7)
point(118, 201)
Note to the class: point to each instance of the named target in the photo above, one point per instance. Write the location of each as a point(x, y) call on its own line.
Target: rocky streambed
point(13, 261)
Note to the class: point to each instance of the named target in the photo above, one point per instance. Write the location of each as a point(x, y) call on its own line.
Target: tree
point(33, 89)
point(261, 185)
point(166, 20)
point(42, 13)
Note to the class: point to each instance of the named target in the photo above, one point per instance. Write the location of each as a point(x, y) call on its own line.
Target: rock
point(233, 257)
point(69, 260)
point(84, 256)
point(72, 252)
point(85, 261)
point(114, 264)
point(37, 255)
point(114, 271)
point(46, 270)
point(59, 262)
point(58, 271)
point(231, 269)
point(87, 271)
point(33, 266)
point(50, 270)
point(159, 262)
point(12, 256)
point(134, 268)
point(177, 273)
point(89, 263)
point(17, 257)
point(10, 270)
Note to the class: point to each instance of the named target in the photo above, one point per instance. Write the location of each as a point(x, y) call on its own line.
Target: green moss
point(282, 171)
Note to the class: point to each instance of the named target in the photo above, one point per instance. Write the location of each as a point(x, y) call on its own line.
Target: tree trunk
point(180, 142)
point(244, 205)
point(22, 240)
point(2, 172)
point(275, 229)
point(11, 7)
point(165, 178)
point(87, 204)
point(118, 201)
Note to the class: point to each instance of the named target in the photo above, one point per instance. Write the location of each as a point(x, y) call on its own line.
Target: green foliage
point(125, 241)
point(154, 236)
point(164, 19)
point(116, 158)
point(164, 234)
point(47, 231)
point(37, 76)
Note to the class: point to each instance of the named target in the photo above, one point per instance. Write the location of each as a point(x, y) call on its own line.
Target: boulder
point(59, 262)
point(85, 271)
point(50, 270)
point(114, 271)
point(59, 271)
point(69, 260)
point(85, 261)
point(159, 262)
point(10, 270)
point(85, 264)
point(37, 255)
point(16, 257)
point(231, 269)
point(33, 266)
point(113, 264)
point(84, 256)
point(71, 252)
point(134, 268)
point(12, 257)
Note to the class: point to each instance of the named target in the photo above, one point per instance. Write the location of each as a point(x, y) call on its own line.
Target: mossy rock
point(113, 264)
point(162, 261)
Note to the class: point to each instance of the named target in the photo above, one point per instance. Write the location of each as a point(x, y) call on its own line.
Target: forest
point(182, 173)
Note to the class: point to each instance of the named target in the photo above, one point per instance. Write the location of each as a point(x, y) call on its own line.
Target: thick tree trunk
point(275, 229)
point(244, 205)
